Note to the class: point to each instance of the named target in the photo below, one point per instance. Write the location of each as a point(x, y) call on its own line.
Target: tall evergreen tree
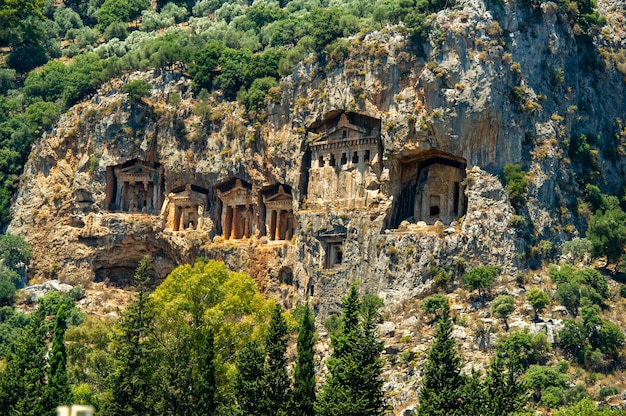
point(58, 388)
point(131, 381)
point(505, 393)
point(354, 386)
point(304, 373)
point(205, 389)
point(442, 382)
point(23, 381)
point(250, 381)
point(277, 390)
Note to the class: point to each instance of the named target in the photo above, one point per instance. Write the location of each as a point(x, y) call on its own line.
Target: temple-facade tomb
point(432, 189)
point(237, 209)
point(135, 186)
point(332, 242)
point(280, 222)
point(341, 149)
point(185, 208)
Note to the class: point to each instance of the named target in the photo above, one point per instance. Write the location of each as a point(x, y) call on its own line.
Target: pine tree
point(131, 381)
point(23, 381)
point(354, 386)
point(277, 390)
point(370, 348)
point(442, 382)
point(58, 388)
point(205, 389)
point(249, 384)
point(504, 391)
point(304, 373)
point(472, 393)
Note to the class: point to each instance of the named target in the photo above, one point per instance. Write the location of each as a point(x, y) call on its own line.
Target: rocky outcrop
point(380, 164)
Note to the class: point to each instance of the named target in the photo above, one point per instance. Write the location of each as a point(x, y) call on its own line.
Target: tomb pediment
point(235, 192)
point(188, 196)
point(280, 200)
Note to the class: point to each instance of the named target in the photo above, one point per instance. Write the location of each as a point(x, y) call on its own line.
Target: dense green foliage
point(502, 307)
point(481, 278)
point(447, 391)
point(574, 287)
point(354, 385)
point(304, 372)
point(441, 387)
point(516, 183)
point(433, 304)
point(592, 341)
point(538, 299)
point(276, 383)
point(58, 388)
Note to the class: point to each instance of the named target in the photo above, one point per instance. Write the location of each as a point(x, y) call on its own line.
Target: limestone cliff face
point(377, 164)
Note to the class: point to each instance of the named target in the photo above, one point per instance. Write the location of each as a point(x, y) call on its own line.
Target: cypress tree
point(354, 385)
point(277, 390)
point(249, 384)
point(304, 373)
point(23, 381)
point(442, 382)
point(58, 388)
point(505, 393)
point(131, 381)
point(370, 376)
point(205, 389)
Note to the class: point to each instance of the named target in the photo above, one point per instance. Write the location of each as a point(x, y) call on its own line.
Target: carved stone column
point(227, 221)
point(234, 223)
point(246, 222)
point(278, 224)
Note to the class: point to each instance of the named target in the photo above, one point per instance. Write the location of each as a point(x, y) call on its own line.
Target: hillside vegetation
point(207, 340)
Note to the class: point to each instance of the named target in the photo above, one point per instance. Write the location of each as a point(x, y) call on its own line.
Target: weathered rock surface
point(481, 96)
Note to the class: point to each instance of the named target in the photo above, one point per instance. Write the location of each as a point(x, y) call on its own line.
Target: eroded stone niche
point(432, 189)
point(236, 209)
point(280, 222)
point(185, 208)
point(342, 147)
point(135, 186)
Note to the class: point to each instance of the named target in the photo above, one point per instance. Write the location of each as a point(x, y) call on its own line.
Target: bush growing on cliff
point(481, 278)
point(607, 232)
point(137, 89)
point(516, 183)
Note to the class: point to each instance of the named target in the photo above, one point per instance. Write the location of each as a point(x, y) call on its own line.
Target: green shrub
point(516, 183)
point(575, 394)
point(538, 299)
point(607, 391)
point(7, 292)
point(94, 162)
point(522, 348)
point(254, 97)
point(562, 366)
point(622, 290)
point(434, 303)
point(137, 89)
point(539, 378)
point(607, 233)
point(577, 248)
point(568, 295)
point(481, 278)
